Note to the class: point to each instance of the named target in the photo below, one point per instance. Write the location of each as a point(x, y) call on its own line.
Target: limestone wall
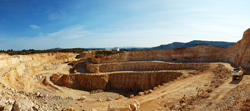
point(201, 53)
point(7, 60)
point(140, 81)
point(17, 71)
point(239, 54)
point(142, 66)
point(85, 55)
point(135, 81)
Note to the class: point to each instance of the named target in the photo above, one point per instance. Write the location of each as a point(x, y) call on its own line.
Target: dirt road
point(173, 91)
point(169, 94)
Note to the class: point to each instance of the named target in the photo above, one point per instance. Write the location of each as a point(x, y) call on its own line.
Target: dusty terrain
point(195, 78)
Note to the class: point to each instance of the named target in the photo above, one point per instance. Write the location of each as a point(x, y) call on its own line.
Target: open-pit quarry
point(195, 78)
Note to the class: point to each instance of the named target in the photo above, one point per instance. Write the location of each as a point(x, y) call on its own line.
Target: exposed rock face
point(136, 81)
point(18, 70)
point(238, 54)
point(81, 81)
point(201, 53)
point(143, 66)
point(85, 55)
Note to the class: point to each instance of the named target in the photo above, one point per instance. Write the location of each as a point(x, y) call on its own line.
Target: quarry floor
point(169, 96)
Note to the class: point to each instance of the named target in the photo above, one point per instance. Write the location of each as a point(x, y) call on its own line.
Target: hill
point(175, 45)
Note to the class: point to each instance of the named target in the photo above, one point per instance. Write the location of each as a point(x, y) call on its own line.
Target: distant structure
point(115, 49)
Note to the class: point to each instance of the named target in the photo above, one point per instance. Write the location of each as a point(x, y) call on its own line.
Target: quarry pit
point(194, 78)
point(133, 76)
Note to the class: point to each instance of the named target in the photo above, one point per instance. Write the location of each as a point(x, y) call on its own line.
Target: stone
point(120, 97)
point(38, 94)
point(99, 100)
point(150, 91)
point(83, 98)
point(23, 105)
point(109, 99)
point(6, 104)
point(141, 93)
point(131, 105)
point(131, 96)
point(36, 107)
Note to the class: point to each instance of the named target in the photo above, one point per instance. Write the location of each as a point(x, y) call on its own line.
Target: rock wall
point(238, 54)
point(133, 81)
point(200, 53)
point(85, 55)
point(142, 66)
point(17, 71)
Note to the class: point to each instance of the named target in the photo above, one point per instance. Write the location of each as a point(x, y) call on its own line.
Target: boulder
point(83, 98)
point(23, 105)
point(131, 105)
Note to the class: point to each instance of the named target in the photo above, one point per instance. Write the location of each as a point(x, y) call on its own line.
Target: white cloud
point(74, 32)
point(34, 27)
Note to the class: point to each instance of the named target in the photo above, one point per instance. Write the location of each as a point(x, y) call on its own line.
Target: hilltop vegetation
point(33, 51)
point(106, 53)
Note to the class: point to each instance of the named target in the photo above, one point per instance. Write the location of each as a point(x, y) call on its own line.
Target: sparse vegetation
point(106, 53)
point(33, 51)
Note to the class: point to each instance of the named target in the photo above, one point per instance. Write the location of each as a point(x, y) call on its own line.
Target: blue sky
point(44, 24)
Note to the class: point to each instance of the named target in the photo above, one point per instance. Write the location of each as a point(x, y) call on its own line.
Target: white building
point(115, 49)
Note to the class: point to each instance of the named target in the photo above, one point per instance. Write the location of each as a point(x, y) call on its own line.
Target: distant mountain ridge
point(193, 43)
point(173, 45)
